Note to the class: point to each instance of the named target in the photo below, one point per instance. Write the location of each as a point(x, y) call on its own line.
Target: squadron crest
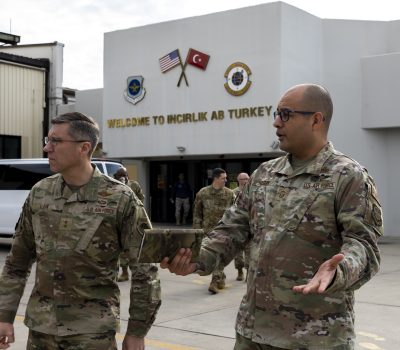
point(237, 78)
point(135, 90)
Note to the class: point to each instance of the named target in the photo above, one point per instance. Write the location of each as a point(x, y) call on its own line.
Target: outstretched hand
point(180, 264)
point(322, 278)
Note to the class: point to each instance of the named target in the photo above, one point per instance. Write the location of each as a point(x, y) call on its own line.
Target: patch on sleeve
point(373, 215)
point(377, 215)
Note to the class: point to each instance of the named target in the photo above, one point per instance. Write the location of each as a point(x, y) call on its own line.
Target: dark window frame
point(5, 141)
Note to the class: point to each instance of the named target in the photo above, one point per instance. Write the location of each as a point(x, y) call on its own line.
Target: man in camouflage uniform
point(122, 176)
point(312, 219)
point(74, 225)
point(209, 206)
point(242, 258)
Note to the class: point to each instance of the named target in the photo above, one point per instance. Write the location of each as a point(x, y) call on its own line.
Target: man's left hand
point(324, 276)
point(132, 343)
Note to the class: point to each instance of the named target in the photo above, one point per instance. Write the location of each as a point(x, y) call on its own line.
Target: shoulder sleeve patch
point(373, 214)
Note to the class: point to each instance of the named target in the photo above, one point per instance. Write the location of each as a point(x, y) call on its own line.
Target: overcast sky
point(80, 24)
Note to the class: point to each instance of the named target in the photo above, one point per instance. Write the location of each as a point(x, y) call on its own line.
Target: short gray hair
point(81, 127)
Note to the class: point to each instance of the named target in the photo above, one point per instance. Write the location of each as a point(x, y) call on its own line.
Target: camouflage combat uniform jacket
point(236, 191)
point(75, 240)
point(295, 222)
point(134, 185)
point(209, 206)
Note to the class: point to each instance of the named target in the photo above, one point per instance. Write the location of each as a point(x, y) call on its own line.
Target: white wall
point(380, 88)
point(90, 102)
point(137, 51)
point(283, 46)
point(346, 44)
point(301, 48)
point(392, 194)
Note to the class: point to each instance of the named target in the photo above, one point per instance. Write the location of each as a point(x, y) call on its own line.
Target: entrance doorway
point(163, 175)
point(198, 173)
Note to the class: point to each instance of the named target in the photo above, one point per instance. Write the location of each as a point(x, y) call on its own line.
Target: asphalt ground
point(190, 318)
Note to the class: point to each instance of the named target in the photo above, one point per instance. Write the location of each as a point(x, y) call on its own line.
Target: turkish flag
point(198, 59)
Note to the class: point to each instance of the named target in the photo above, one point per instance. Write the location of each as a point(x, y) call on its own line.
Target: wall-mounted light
point(181, 148)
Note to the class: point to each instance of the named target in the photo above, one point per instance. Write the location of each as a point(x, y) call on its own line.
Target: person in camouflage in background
point(122, 176)
point(312, 219)
point(209, 206)
point(74, 225)
point(242, 258)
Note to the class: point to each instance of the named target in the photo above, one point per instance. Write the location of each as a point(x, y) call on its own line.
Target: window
point(10, 146)
point(22, 176)
point(112, 168)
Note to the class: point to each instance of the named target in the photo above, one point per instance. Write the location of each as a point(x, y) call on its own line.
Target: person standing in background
point(209, 206)
point(122, 176)
point(181, 194)
point(242, 258)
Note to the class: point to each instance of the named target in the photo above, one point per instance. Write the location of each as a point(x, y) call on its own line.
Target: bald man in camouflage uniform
point(209, 206)
point(122, 176)
point(74, 225)
point(312, 219)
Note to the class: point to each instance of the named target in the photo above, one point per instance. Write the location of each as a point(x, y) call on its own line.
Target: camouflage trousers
point(124, 259)
point(179, 202)
point(100, 341)
point(242, 259)
point(243, 343)
point(218, 273)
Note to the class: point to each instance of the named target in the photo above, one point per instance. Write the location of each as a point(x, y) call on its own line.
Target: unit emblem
point(135, 91)
point(237, 78)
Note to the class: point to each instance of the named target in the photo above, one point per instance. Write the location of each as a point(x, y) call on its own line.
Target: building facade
point(193, 94)
point(30, 95)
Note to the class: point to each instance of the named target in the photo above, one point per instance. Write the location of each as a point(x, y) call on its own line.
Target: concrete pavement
point(192, 319)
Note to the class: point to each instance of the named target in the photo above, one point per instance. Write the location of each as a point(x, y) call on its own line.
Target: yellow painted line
point(168, 346)
point(199, 282)
point(370, 346)
point(159, 344)
point(371, 335)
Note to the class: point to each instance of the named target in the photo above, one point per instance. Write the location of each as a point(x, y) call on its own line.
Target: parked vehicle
point(17, 176)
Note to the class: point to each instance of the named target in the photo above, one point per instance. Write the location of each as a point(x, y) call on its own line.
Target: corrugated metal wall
point(22, 103)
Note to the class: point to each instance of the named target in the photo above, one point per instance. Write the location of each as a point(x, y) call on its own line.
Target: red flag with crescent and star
point(197, 59)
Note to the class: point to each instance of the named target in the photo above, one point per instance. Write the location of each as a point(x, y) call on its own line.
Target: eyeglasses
point(286, 113)
point(55, 141)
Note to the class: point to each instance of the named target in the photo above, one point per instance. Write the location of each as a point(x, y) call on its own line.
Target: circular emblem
point(237, 78)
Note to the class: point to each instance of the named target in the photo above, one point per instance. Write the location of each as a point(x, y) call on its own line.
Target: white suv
point(17, 176)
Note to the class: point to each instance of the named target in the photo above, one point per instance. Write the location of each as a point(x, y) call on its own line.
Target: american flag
point(170, 61)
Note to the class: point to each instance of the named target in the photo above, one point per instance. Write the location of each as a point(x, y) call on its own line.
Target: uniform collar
point(87, 192)
point(315, 168)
